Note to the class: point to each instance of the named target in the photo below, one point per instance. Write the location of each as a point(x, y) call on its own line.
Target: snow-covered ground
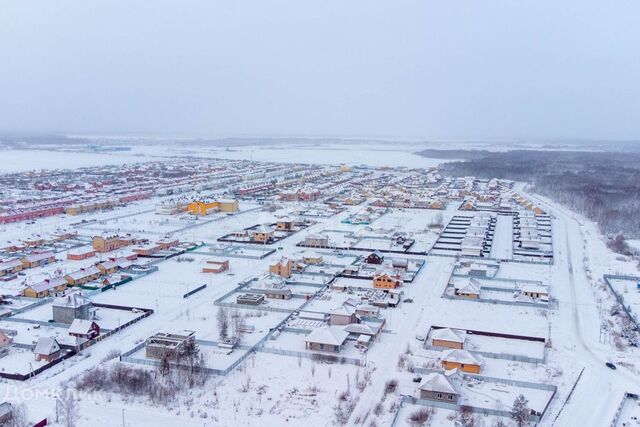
point(296, 390)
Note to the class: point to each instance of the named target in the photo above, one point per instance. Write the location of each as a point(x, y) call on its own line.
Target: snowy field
point(374, 155)
point(25, 160)
point(321, 153)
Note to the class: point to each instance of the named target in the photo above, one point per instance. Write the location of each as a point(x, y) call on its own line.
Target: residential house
point(37, 260)
point(79, 254)
point(326, 338)
point(468, 288)
point(443, 387)
point(263, 234)
point(82, 276)
point(312, 258)
point(449, 338)
point(47, 349)
point(367, 310)
point(370, 329)
point(400, 263)
point(10, 267)
point(316, 240)
point(83, 328)
point(375, 257)
point(48, 287)
point(461, 359)
point(148, 250)
point(282, 267)
point(343, 315)
point(387, 280)
point(108, 243)
point(72, 306)
point(535, 291)
point(107, 267)
point(483, 269)
point(284, 224)
point(167, 243)
point(471, 246)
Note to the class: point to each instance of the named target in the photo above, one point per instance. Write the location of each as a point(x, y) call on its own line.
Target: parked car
point(421, 337)
point(417, 379)
point(408, 300)
point(611, 365)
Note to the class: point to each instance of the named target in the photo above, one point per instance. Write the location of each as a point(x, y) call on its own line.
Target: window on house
point(439, 395)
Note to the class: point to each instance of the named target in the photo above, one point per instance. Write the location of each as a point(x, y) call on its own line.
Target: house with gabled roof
point(47, 349)
point(383, 279)
point(82, 276)
point(449, 338)
point(83, 328)
point(11, 266)
point(37, 260)
point(374, 257)
point(343, 315)
point(468, 288)
point(47, 287)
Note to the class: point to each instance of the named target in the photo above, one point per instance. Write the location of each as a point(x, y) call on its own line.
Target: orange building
point(111, 243)
point(461, 359)
point(263, 234)
point(384, 280)
point(216, 266)
point(202, 207)
point(282, 267)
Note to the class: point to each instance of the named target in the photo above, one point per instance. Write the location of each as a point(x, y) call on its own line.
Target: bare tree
point(164, 365)
point(520, 411)
point(465, 418)
point(68, 408)
point(19, 417)
point(236, 324)
point(222, 318)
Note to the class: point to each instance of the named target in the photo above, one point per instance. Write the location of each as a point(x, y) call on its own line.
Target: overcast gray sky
point(446, 69)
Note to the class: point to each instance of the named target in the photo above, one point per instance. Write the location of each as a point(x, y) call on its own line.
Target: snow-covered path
point(406, 324)
point(502, 246)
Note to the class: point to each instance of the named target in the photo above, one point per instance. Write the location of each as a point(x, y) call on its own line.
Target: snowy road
point(600, 389)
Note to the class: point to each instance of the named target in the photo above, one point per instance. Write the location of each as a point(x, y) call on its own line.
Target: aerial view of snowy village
point(319, 214)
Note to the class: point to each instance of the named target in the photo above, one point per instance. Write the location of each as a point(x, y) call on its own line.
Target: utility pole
point(122, 417)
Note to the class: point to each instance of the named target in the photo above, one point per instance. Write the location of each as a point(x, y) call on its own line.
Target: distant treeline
point(604, 186)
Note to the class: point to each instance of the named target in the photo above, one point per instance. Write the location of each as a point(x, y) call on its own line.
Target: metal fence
point(619, 297)
point(616, 417)
point(313, 356)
